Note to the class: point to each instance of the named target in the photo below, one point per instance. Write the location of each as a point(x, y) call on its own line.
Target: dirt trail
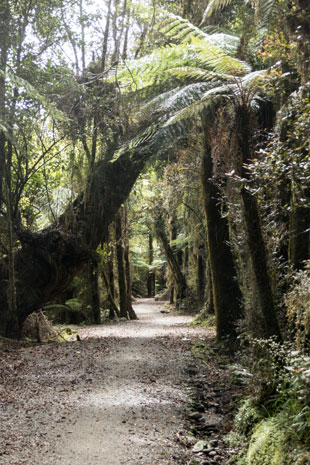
point(116, 397)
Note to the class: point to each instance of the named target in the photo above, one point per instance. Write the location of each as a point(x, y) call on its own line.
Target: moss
point(269, 445)
point(247, 417)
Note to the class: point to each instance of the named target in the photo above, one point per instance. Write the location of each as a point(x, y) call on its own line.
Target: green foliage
point(74, 304)
point(286, 161)
point(248, 415)
point(268, 445)
point(297, 302)
point(265, 10)
point(197, 49)
point(281, 383)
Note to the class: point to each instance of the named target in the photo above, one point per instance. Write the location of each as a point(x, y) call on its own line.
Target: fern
point(265, 9)
point(212, 57)
point(155, 68)
point(172, 101)
point(210, 100)
point(199, 74)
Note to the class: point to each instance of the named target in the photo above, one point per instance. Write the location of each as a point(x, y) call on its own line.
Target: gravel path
point(115, 397)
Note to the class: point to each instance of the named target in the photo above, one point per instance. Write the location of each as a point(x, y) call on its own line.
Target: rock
point(199, 446)
point(37, 328)
point(195, 415)
point(213, 443)
point(123, 319)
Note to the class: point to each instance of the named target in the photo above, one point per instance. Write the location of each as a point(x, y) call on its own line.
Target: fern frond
point(214, 5)
point(254, 79)
point(211, 99)
point(199, 74)
point(266, 10)
point(175, 27)
point(179, 29)
point(213, 57)
point(183, 98)
point(155, 68)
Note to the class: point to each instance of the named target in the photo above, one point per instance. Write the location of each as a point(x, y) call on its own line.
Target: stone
point(200, 446)
point(195, 415)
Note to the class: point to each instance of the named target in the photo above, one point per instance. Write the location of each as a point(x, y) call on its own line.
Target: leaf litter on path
point(117, 396)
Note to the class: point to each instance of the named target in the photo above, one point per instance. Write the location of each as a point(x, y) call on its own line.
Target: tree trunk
point(254, 233)
point(122, 285)
point(131, 312)
point(113, 310)
point(46, 262)
point(179, 279)
point(201, 276)
point(151, 273)
point(95, 299)
point(225, 289)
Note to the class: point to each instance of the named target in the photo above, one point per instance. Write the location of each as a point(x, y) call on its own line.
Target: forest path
point(116, 397)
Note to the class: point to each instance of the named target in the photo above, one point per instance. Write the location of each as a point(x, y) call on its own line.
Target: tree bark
point(122, 285)
point(151, 273)
point(254, 233)
point(225, 289)
point(95, 299)
point(179, 279)
point(46, 262)
point(131, 312)
point(113, 307)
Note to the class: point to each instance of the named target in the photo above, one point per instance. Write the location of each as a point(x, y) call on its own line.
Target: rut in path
point(116, 397)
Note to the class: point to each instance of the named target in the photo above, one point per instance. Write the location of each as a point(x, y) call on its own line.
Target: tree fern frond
point(228, 43)
point(199, 74)
point(214, 5)
point(266, 10)
point(172, 25)
point(179, 29)
point(254, 79)
point(213, 57)
point(211, 99)
point(183, 98)
point(153, 68)
point(131, 146)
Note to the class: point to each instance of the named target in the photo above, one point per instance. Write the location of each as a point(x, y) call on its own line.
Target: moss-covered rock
point(273, 444)
point(269, 445)
point(248, 416)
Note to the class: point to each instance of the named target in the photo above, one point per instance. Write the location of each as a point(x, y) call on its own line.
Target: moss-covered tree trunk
point(226, 294)
point(46, 262)
point(151, 275)
point(122, 285)
point(172, 260)
point(94, 288)
point(255, 239)
point(132, 314)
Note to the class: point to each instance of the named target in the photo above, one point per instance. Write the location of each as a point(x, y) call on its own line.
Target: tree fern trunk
point(225, 289)
point(254, 232)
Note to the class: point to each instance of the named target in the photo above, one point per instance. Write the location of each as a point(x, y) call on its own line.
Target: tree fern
point(155, 68)
point(241, 90)
point(199, 74)
point(264, 9)
point(180, 30)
